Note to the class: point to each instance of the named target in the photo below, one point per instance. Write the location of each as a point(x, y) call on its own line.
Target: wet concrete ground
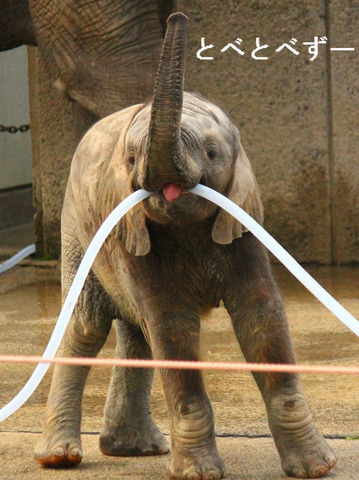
point(30, 304)
point(15, 238)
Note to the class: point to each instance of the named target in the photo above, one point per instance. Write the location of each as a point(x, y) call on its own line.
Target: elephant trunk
point(163, 153)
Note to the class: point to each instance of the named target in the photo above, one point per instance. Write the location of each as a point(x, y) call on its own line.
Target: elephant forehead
point(198, 115)
point(206, 117)
point(203, 126)
point(140, 123)
point(196, 105)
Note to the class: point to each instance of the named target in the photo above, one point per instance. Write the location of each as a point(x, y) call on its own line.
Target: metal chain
point(13, 129)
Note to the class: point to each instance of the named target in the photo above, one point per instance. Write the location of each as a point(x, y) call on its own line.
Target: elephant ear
point(131, 230)
point(243, 190)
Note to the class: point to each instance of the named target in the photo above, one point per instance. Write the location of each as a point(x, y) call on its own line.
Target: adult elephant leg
point(165, 8)
point(128, 428)
point(106, 53)
point(260, 324)
point(60, 444)
point(175, 336)
point(16, 27)
point(83, 120)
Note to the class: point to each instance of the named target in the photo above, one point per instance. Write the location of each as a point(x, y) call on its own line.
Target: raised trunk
point(163, 154)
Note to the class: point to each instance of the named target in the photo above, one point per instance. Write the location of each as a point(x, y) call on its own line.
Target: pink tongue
point(171, 191)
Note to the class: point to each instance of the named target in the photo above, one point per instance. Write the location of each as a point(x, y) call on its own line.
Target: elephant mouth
point(174, 203)
point(172, 191)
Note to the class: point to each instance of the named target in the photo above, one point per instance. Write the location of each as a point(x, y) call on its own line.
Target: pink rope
point(186, 365)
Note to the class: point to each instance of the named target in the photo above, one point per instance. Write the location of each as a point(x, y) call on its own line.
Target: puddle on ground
point(30, 304)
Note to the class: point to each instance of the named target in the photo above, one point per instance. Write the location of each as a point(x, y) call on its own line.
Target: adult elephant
point(106, 53)
point(103, 55)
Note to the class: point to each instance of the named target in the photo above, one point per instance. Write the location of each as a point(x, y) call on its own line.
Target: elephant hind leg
point(128, 428)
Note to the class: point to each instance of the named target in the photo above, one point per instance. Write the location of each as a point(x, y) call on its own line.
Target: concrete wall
point(15, 149)
point(298, 118)
point(343, 26)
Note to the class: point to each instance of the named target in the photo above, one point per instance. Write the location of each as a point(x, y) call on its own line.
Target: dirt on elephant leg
point(303, 450)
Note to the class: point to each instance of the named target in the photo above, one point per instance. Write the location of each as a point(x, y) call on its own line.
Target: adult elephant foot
point(304, 452)
point(61, 450)
point(131, 440)
point(208, 466)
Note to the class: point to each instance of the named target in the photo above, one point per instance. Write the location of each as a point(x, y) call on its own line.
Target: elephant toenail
point(58, 452)
point(332, 461)
point(213, 475)
point(75, 452)
point(319, 471)
point(194, 476)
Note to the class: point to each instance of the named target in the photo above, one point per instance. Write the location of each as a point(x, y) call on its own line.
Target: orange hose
point(187, 365)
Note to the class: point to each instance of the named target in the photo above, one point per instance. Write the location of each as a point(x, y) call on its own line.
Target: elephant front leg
point(128, 428)
point(303, 450)
point(60, 443)
point(194, 451)
point(261, 327)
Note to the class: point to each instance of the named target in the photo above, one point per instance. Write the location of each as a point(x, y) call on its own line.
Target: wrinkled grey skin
point(163, 266)
point(105, 53)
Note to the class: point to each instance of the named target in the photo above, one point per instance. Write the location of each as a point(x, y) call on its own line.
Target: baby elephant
point(171, 259)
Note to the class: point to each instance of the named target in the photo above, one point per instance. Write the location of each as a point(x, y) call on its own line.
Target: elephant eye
point(211, 153)
point(131, 159)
